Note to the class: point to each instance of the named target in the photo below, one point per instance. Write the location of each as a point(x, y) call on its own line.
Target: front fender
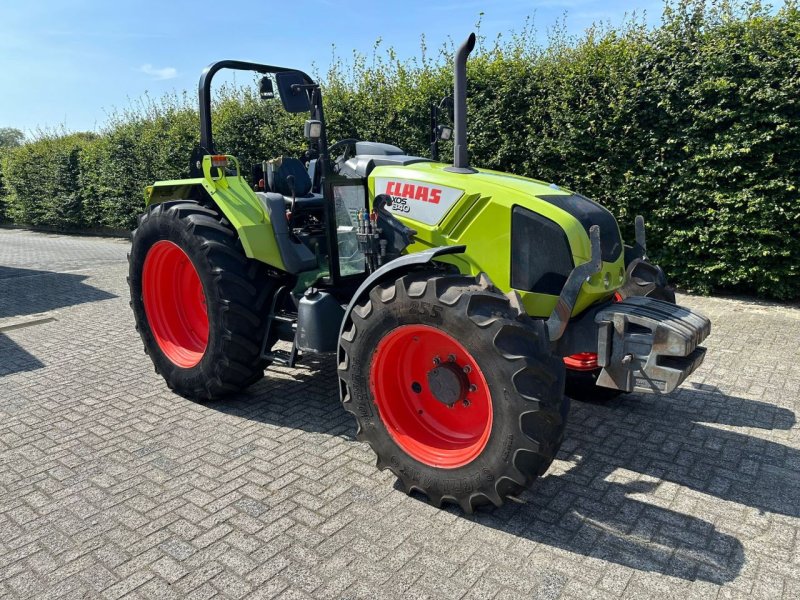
point(396, 266)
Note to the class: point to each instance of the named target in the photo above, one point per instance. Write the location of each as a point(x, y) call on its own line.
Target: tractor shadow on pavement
point(13, 359)
point(640, 481)
point(647, 478)
point(305, 397)
point(28, 291)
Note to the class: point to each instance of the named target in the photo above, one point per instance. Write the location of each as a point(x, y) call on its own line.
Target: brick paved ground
point(111, 486)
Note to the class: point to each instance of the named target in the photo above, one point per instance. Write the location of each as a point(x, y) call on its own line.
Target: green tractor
point(458, 301)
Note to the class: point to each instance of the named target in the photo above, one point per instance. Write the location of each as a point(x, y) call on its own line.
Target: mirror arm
point(434, 131)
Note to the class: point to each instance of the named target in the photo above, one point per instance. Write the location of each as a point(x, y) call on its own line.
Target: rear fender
point(233, 196)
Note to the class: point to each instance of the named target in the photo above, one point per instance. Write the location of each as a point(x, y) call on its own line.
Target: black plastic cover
point(377, 149)
point(319, 316)
point(296, 257)
point(589, 213)
point(541, 259)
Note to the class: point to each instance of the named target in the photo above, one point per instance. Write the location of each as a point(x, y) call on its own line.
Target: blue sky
point(70, 63)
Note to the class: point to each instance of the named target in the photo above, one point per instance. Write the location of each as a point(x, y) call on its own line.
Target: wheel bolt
point(451, 357)
point(465, 403)
point(436, 360)
point(467, 369)
point(473, 387)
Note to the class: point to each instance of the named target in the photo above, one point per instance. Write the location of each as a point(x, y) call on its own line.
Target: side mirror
point(294, 92)
point(265, 89)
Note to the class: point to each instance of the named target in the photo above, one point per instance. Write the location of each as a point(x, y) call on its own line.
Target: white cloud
point(159, 74)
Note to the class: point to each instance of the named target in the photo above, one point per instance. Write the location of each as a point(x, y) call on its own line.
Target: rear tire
point(199, 303)
point(471, 453)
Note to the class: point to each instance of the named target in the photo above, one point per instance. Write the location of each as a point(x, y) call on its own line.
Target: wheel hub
point(448, 383)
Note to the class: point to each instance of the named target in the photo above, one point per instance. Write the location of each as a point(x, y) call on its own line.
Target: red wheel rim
point(586, 361)
point(425, 427)
point(583, 361)
point(175, 304)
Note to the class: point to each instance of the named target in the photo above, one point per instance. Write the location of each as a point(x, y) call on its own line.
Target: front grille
point(541, 259)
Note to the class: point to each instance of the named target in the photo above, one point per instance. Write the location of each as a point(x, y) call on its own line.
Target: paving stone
point(113, 487)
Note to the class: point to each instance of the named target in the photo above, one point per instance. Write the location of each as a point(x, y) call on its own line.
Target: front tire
point(199, 303)
point(455, 390)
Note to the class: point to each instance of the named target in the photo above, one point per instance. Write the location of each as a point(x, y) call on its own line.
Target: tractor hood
point(479, 209)
point(427, 192)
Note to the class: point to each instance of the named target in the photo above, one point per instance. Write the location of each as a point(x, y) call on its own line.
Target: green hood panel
point(481, 219)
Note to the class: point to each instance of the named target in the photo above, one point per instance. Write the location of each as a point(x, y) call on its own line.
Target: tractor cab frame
point(316, 191)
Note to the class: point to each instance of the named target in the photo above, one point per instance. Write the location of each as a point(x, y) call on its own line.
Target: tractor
point(458, 302)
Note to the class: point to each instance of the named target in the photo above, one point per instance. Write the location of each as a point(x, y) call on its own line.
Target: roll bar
point(204, 91)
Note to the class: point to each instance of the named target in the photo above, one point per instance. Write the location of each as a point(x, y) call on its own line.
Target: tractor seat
point(287, 167)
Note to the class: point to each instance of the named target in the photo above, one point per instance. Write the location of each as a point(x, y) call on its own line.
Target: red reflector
point(583, 361)
point(219, 160)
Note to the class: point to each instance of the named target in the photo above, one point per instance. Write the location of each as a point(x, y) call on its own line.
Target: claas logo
point(414, 192)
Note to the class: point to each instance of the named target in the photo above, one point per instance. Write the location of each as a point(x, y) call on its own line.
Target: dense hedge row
point(695, 125)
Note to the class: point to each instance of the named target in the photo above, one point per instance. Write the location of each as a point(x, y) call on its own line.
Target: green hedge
point(694, 124)
point(43, 181)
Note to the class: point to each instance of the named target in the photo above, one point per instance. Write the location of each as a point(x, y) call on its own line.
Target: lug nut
point(465, 403)
point(467, 369)
point(436, 360)
point(473, 387)
point(451, 357)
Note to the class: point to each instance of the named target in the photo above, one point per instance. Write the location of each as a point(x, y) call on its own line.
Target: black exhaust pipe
point(460, 156)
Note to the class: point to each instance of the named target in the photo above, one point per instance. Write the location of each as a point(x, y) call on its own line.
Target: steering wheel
point(346, 144)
